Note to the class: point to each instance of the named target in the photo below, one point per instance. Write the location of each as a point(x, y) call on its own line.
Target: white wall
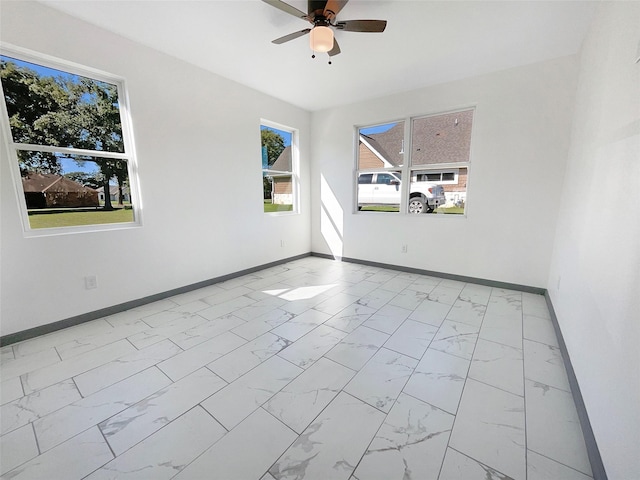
point(518, 154)
point(596, 256)
point(198, 145)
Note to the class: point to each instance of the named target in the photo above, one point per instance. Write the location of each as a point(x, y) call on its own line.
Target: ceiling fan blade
point(285, 7)
point(373, 26)
point(336, 48)
point(333, 7)
point(291, 36)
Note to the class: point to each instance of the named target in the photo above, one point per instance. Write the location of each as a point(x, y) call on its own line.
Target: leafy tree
point(29, 99)
point(274, 143)
point(90, 180)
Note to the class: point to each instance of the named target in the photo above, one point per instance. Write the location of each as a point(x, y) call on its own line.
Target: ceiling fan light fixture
point(321, 39)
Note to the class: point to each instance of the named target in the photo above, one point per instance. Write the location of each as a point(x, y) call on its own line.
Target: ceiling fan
point(322, 15)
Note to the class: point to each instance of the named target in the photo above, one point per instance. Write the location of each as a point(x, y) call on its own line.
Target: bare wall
point(518, 155)
point(198, 149)
point(594, 279)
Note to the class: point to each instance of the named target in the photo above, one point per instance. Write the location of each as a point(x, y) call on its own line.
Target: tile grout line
point(481, 463)
point(524, 396)
point(455, 416)
point(560, 463)
point(468, 378)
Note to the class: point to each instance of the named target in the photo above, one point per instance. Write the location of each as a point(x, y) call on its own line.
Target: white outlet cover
point(90, 282)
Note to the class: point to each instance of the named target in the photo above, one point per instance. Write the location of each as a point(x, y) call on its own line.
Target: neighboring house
point(46, 190)
point(113, 194)
point(280, 172)
point(386, 150)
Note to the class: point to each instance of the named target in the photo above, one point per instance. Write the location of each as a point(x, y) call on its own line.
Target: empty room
point(441, 280)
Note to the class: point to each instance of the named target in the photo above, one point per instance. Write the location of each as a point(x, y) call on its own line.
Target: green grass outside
point(380, 208)
point(79, 217)
point(390, 208)
point(451, 210)
point(271, 207)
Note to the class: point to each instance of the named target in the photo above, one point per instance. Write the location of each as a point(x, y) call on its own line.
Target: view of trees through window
point(277, 169)
point(67, 134)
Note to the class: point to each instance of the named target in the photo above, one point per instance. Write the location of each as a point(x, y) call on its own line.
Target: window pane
point(382, 194)
point(280, 197)
point(72, 190)
point(388, 178)
point(55, 108)
point(277, 169)
point(365, 178)
point(444, 198)
point(448, 177)
point(381, 146)
point(441, 138)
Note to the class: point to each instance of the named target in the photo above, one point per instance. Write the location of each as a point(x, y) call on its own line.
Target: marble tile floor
point(313, 369)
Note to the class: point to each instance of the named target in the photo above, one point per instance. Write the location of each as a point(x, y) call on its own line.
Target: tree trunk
point(107, 195)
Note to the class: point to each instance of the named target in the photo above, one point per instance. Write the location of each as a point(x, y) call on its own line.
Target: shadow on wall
point(331, 219)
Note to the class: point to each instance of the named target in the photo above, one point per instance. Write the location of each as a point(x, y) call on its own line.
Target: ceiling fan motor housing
point(316, 6)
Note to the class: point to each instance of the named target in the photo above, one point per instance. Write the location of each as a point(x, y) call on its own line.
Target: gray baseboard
point(104, 312)
point(448, 276)
point(597, 467)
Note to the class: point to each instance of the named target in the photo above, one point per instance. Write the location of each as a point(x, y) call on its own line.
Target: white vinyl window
point(279, 167)
point(433, 153)
point(71, 150)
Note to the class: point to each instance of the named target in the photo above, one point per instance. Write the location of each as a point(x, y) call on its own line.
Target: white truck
point(383, 189)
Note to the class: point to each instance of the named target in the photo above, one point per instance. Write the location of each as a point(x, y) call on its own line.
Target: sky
point(378, 128)
point(69, 165)
point(39, 69)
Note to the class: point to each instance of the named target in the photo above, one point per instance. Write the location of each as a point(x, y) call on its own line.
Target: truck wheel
point(417, 205)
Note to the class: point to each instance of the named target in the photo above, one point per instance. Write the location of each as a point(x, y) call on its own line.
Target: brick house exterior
point(46, 190)
point(282, 187)
point(114, 194)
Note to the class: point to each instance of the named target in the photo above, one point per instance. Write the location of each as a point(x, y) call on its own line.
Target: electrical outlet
point(90, 282)
point(405, 248)
point(282, 243)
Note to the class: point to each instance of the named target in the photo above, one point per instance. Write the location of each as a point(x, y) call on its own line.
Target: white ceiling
point(425, 43)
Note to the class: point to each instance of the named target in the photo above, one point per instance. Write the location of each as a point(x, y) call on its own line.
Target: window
point(438, 177)
point(437, 164)
point(71, 150)
point(279, 168)
point(380, 154)
point(439, 142)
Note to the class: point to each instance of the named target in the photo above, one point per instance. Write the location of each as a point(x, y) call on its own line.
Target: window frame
point(409, 171)
point(128, 155)
point(295, 166)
